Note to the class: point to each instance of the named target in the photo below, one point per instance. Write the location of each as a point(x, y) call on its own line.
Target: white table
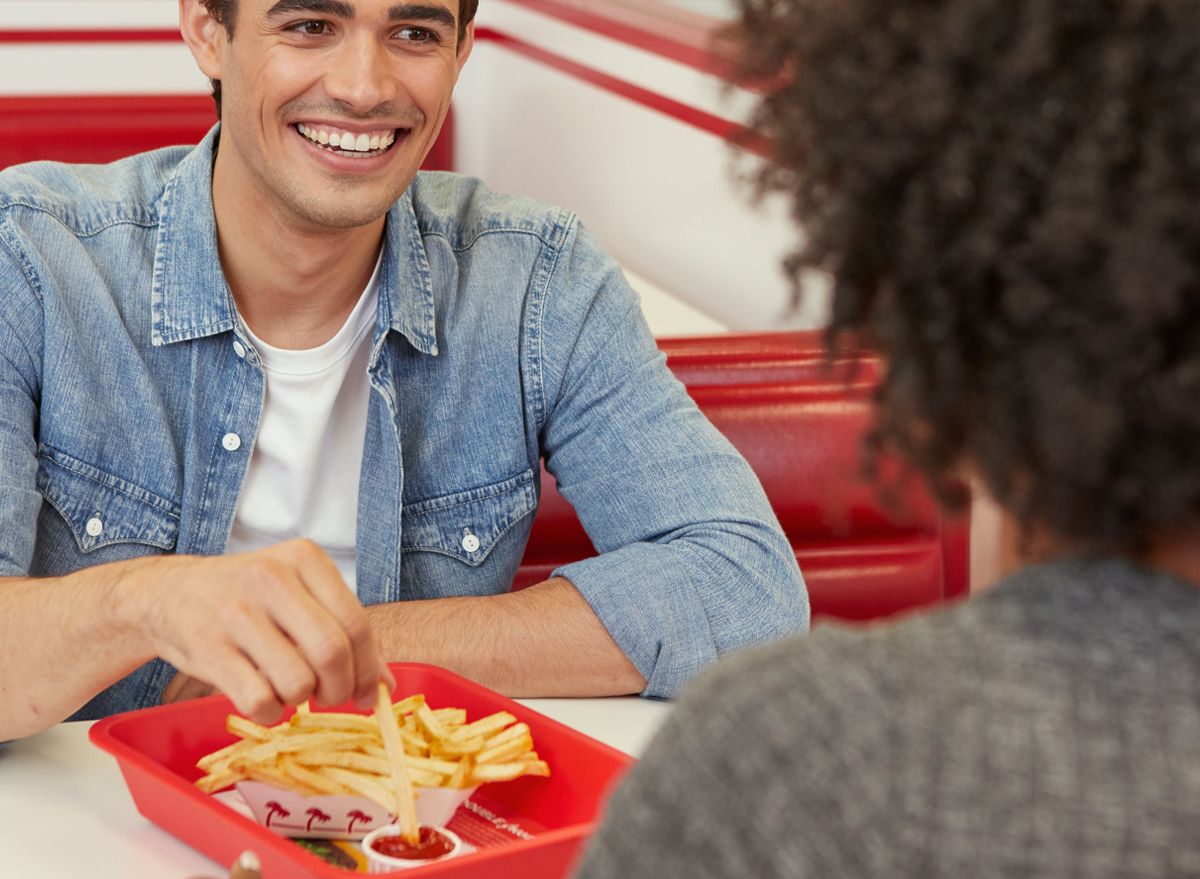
point(58, 781)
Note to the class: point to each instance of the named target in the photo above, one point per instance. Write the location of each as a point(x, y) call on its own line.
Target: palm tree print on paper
point(357, 816)
point(274, 809)
point(314, 814)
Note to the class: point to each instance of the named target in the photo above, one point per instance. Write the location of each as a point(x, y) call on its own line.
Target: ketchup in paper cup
point(386, 849)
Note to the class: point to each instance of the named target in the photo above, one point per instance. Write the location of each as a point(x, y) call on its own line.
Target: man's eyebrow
point(335, 8)
point(421, 12)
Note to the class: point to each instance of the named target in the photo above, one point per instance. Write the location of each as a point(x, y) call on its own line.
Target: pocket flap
point(467, 524)
point(102, 509)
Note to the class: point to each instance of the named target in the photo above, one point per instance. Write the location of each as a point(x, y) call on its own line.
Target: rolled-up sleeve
point(20, 359)
point(692, 563)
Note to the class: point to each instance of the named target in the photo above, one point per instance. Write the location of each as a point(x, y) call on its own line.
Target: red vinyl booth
point(799, 423)
point(100, 128)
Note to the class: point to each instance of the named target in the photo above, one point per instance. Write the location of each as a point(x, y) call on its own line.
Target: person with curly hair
point(1006, 195)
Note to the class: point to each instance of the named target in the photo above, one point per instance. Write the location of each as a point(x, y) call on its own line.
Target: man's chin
point(343, 213)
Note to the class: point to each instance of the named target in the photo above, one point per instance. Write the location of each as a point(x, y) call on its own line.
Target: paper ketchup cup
point(341, 817)
point(386, 851)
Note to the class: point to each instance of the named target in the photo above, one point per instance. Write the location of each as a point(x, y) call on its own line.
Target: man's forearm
point(62, 640)
point(541, 641)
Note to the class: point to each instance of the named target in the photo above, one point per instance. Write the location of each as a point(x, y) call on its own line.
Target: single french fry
point(505, 750)
point(485, 726)
point(216, 781)
point(462, 775)
point(406, 801)
point(450, 717)
point(247, 729)
point(449, 748)
point(344, 760)
point(508, 771)
point(430, 764)
point(513, 732)
point(428, 721)
point(335, 721)
point(220, 759)
point(408, 704)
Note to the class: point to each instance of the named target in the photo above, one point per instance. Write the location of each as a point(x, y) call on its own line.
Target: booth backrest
point(98, 128)
point(799, 421)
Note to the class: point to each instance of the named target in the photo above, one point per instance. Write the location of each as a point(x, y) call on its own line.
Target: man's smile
point(352, 144)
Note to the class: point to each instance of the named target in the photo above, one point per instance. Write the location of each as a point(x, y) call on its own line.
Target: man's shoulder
point(88, 198)
point(462, 209)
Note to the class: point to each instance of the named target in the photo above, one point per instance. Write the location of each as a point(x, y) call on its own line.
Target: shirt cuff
point(644, 596)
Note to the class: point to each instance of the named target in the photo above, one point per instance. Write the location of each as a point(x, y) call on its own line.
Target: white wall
point(660, 193)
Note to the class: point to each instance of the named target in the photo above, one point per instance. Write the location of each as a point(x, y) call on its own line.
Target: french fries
point(321, 752)
point(393, 747)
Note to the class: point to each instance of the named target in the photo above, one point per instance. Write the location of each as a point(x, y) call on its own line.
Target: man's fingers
point(277, 655)
point(249, 691)
point(327, 587)
point(270, 628)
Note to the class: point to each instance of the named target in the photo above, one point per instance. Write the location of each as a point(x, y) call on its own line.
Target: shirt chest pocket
point(467, 525)
point(102, 510)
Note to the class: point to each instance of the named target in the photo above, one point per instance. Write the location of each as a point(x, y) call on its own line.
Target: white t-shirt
point(303, 478)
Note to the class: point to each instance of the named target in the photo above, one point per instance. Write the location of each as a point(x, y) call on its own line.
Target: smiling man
point(249, 387)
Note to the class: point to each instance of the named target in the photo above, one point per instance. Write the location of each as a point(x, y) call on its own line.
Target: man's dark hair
point(1006, 194)
point(224, 12)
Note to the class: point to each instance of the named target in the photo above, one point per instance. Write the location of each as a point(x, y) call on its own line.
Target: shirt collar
point(191, 299)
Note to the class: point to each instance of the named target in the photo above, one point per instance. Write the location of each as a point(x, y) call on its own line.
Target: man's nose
point(361, 75)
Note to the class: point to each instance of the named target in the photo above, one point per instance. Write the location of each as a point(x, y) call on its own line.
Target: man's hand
point(267, 628)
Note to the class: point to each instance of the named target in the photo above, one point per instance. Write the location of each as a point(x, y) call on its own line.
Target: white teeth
point(347, 141)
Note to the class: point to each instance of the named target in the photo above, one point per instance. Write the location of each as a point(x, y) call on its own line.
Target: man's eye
point(417, 35)
point(312, 28)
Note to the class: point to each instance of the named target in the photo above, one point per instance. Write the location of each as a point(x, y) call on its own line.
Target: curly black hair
point(1006, 195)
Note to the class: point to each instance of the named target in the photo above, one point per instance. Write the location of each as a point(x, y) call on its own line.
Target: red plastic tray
point(157, 749)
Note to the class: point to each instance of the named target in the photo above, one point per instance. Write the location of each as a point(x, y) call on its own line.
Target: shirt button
point(239, 349)
point(232, 442)
point(470, 543)
point(94, 527)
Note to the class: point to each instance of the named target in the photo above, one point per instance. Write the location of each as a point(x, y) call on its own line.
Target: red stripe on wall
point(681, 36)
point(94, 36)
point(704, 121)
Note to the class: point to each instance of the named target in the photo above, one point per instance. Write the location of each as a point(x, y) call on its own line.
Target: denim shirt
point(130, 400)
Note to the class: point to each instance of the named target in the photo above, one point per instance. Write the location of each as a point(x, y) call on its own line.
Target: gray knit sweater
point(1048, 728)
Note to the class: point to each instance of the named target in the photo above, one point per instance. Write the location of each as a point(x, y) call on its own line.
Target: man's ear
point(465, 45)
point(204, 35)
